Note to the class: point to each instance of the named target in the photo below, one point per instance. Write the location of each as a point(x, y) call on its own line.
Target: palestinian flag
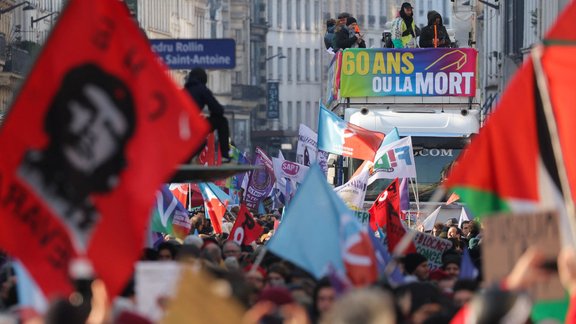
point(523, 159)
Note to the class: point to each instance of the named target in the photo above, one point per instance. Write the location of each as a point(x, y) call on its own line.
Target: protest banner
point(418, 72)
point(508, 236)
point(432, 248)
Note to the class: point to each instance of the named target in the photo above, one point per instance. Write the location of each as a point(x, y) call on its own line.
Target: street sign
point(185, 54)
point(273, 100)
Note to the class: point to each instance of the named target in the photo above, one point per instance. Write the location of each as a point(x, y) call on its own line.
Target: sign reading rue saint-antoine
point(185, 54)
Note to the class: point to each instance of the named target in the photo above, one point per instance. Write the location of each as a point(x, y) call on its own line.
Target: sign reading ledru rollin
point(184, 54)
point(408, 72)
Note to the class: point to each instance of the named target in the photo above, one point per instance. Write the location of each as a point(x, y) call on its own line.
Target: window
point(307, 64)
point(280, 67)
point(269, 66)
point(279, 13)
point(315, 113)
point(307, 14)
point(270, 12)
point(316, 16)
point(298, 14)
point(290, 118)
point(307, 114)
point(289, 64)
point(298, 112)
point(289, 14)
point(298, 64)
point(317, 65)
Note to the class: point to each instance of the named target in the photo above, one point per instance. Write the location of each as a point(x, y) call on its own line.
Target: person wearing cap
point(404, 30)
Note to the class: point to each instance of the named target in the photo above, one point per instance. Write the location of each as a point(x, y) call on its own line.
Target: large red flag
point(245, 230)
point(385, 212)
point(96, 129)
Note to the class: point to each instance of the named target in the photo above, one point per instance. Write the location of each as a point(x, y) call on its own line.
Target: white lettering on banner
point(307, 140)
point(430, 83)
point(434, 152)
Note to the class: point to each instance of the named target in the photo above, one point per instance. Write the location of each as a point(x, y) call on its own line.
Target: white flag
point(353, 192)
point(429, 222)
point(463, 217)
point(395, 160)
point(307, 145)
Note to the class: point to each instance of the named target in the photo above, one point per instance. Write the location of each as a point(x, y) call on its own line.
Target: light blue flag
point(309, 235)
point(29, 295)
point(391, 137)
point(330, 131)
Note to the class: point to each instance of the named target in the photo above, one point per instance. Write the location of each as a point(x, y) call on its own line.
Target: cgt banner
point(378, 72)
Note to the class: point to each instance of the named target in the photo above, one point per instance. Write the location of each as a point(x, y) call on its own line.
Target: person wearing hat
point(416, 267)
point(404, 30)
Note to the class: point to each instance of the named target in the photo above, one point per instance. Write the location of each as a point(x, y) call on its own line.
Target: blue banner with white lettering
point(185, 54)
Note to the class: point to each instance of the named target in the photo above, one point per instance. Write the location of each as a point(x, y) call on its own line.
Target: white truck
point(436, 104)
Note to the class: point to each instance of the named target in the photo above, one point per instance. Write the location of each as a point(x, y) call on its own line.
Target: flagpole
point(542, 87)
point(416, 196)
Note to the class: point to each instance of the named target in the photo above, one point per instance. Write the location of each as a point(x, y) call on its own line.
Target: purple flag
point(404, 195)
point(261, 180)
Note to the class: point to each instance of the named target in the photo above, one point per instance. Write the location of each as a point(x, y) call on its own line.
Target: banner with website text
point(376, 72)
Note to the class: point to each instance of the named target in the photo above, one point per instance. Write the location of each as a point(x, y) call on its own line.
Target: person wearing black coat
point(347, 37)
point(196, 86)
point(434, 28)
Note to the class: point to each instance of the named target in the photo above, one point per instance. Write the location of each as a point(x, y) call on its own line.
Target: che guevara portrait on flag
point(88, 123)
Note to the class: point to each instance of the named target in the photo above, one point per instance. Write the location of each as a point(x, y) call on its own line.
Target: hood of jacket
point(432, 15)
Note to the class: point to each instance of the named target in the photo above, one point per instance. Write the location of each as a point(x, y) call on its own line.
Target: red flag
point(96, 129)
point(386, 212)
point(245, 230)
point(359, 258)
point(453, 198)
point(210, 155)
point(180, 191)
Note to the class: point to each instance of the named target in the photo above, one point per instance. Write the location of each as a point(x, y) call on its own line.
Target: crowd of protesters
point(292, 295)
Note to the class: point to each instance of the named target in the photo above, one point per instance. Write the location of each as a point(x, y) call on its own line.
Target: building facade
point(524, 23)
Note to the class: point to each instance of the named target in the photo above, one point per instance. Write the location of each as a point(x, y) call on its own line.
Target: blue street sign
point(273, 100)
point(184, 54)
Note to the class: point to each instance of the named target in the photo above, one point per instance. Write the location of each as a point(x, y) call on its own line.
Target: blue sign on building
point(273, 100)
point(184, 54)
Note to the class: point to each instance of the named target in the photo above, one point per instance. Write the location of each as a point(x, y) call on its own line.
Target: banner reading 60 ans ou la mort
point(408, 72)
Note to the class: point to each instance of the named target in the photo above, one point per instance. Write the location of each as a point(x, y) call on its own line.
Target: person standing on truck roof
point(347, 37)
point(340, 24)
point(329, 36)
point(404, 30)
point(434, 34)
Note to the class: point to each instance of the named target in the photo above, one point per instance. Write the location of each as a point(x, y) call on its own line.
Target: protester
point(416, 267)
point(362, 306)
point(434, 34)
point(329, 35)
point(404, 30)
point(323, 299)
point(196, 86)
point(167, 251)
point(347, 37)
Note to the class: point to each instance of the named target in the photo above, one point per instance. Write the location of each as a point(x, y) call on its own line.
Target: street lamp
point(491, 5)
point(32, 20)
point(279, 56)
point(28, 7)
